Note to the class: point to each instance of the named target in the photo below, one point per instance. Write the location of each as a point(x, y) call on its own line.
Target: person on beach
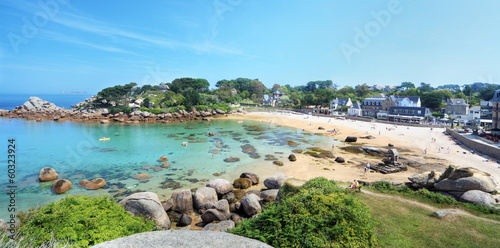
point(367, 168)
point(425, 151)
point(355, 186)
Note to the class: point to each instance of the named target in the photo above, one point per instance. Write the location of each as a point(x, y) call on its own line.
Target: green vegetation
point(190, 94)
point(317, 214)
point(436, 199)
point(405, 224)
point(81, 221)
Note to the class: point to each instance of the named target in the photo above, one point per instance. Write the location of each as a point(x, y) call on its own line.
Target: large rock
point(351, 139)
point(184, 220)
point(251, 205)
point(482, 183)
point(242, 183)
point(222, 226)
point(96, 183)
point(204, 198)
point(47, 174)
point(478, 197)
point(292, 157)
point(37, 104)
point(221, 186)
point(275, 181)
point(269, 195)
point(183, 239)
point(252, 176)
point(61, 186)
point(461, 173)
point(218, 212)
point(424, 180)
point(183, 201)
point(147, 204)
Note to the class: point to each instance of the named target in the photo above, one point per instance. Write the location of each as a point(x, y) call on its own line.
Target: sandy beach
point(416, 143)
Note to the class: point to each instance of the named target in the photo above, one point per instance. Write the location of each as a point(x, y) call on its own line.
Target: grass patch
point(436, 199)
point(402, 224)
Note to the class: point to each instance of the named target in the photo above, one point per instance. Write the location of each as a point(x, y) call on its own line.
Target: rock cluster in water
point(38, 109)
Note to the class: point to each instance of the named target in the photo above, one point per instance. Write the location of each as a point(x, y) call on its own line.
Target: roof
point(374, 99)
point(475, 108)
point(397, 99)
point(496, 96)
point(277, 92)
point(356, 105)
point(456, 101)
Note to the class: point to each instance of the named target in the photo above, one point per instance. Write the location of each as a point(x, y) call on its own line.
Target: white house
point(338, 103)
point(355, 109)
point(474, 113)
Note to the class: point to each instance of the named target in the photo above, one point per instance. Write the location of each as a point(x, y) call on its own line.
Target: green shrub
point(81, 220)
point(317, 214)
point(201, 108)
point(117, 110)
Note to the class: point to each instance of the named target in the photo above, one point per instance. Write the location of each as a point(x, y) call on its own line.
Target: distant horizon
point(52, 46)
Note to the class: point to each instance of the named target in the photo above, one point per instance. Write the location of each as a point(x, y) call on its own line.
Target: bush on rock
point(317, 214)
point(80, 220)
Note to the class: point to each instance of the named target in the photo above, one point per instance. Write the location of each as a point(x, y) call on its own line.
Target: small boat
point(104, 139)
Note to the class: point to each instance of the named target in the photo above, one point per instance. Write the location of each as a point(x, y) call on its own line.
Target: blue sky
point(50, 46)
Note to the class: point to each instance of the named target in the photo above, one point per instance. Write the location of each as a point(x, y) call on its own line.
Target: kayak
point(104, 139)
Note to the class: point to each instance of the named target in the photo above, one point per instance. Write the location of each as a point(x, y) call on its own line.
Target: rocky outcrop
point(37, 104)
point(163, 159)
point(251, 205)
point(424, 180)
point(478, 197)
point(184, 220)
point(242, 183)
point(222, 226)
point(351, 139)
point(275, 181)
point(183, 239)
point(61, 186)
point(96, 183)
point(220, 185)
point(482, 183)
point(218, 212)
point(339, 160)
point(38, 109)
point(147, 204)
point(47, 174)
point(269, 195)
point(252, 176)
point(204, 198)
point(183, 201)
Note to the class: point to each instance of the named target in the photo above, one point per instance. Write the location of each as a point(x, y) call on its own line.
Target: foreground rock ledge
point(183, 238)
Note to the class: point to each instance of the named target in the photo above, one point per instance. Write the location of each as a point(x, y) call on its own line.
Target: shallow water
point(73, 149)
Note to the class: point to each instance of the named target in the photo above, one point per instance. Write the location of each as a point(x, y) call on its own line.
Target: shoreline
point(411, 140)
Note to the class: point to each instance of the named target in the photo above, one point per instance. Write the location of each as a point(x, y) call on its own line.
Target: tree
point(362, 90)
point(180, 85)
point(487, 92)
point(323, 96)
point(412, 92)
point(347, 90)
point(432, 100)
point(425, 87)
point(405, 85)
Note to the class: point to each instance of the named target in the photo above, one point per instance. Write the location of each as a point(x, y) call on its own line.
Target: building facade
point(456, 107)
point(495, 112)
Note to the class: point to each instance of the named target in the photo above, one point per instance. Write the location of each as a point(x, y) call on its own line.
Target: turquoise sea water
point(74, 150)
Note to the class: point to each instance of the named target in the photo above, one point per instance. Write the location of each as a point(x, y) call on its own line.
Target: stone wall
point(491, 151)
